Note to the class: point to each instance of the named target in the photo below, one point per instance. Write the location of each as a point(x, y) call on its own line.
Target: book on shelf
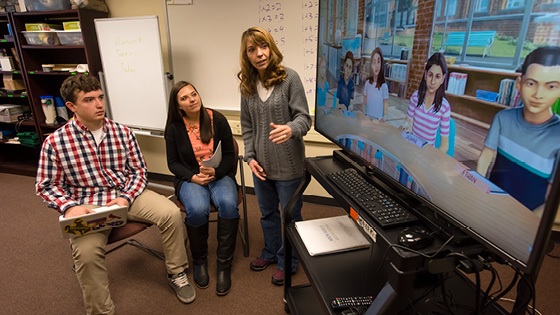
point(457, 83)
point(508, 94)
point(331, 235)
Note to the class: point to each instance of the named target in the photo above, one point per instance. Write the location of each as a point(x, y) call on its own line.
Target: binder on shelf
point(331, 235)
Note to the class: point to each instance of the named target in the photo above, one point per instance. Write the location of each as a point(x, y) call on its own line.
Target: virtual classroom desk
point(390, 275)
point(440, 175)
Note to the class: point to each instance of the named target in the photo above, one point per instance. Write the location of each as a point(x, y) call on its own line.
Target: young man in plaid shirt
point(91, 162)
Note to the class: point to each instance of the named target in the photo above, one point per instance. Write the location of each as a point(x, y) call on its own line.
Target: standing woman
point(274, 119)
point(192, 134)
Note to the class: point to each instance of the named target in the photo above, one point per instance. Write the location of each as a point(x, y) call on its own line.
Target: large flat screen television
point(495, 213)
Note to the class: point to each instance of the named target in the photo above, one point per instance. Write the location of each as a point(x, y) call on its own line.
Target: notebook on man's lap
point(102, 219)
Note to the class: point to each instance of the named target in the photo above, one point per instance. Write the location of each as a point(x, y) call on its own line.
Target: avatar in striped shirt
point(428, 109)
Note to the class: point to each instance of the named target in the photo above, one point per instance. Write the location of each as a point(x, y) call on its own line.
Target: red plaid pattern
point(73, 170)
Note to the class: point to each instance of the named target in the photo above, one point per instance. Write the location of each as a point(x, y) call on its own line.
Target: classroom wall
point(153, 148)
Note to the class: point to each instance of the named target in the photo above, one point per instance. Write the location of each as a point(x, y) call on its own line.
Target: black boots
point(227, 236)
point(198, 238)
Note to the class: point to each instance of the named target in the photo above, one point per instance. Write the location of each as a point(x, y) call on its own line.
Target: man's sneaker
point(259, 264)
point(278, 277)
point(180, 283)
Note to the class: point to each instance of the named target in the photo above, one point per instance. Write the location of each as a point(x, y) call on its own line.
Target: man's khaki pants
point(89, 251)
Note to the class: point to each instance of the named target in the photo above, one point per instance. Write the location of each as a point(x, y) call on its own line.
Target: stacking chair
point(241, 197)
point(130, 229)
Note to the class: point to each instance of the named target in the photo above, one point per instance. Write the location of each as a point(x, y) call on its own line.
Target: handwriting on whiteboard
point(126, 50)
point(294, 26)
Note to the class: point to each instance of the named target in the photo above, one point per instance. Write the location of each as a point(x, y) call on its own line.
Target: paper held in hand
point(331, 235)
point(215, 160)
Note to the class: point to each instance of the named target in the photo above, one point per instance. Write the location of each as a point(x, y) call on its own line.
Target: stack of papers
point(331, 235)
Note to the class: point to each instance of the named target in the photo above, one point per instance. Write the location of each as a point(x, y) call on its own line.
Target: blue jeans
point(270, 193)
point(196, 199)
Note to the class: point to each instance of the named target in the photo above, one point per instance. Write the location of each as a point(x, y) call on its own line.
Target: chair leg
point(243, 226)
point(136, 243)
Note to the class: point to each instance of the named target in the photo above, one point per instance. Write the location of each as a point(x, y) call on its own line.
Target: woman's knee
point(229, 209)
point(197, 216)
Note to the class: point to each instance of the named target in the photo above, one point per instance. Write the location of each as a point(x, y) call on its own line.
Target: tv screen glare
point(434, 157)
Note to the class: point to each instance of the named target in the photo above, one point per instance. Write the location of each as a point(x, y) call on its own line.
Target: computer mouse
point(415, 238)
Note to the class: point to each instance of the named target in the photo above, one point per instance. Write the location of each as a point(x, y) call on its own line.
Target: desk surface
point(439, 174)
point(367, 271)
point(353, 274)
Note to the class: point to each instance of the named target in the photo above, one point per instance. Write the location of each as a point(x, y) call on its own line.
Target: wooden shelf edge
point(470, 120)
point(497, 71)
point(474, 99)
point(52, 46)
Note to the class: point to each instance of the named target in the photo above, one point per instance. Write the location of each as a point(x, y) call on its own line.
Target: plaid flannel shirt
point(73, 170)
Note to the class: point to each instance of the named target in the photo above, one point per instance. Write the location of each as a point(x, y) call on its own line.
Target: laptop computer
point(102, 219)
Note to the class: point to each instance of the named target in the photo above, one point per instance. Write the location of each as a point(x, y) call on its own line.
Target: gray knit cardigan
point(287, 105)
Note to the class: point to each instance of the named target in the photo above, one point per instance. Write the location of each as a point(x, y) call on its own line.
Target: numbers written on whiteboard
point(277, 6)
point(280, 42)
point(310, 39)
point(309, 52)
point(309, 4)
point(310, 16)
point(309, 28)
point(272, 17)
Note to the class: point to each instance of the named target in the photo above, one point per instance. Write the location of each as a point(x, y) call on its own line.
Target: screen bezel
point(541, 240)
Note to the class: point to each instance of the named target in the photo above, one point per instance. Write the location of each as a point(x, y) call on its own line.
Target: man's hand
point(119, 201)
point(280, 134)
point(257, 170)
point(76, 211)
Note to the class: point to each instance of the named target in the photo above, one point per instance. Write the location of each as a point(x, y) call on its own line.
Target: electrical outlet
point(235, 127)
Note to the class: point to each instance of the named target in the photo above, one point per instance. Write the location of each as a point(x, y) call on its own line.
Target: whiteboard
point(205, 40)
point(132, 61)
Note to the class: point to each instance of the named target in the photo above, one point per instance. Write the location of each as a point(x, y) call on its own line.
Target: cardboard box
point(71, 26)
point(12, 84)
point(10, 113)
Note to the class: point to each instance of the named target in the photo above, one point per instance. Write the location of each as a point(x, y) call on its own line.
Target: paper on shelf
point(330, 235)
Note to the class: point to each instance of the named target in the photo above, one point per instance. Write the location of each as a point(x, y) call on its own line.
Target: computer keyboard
point(384, 210)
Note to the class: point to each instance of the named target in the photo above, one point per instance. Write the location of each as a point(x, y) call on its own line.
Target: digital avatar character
point(345, 89)
point(376, 91)
point(428, 111)
point(522, 148)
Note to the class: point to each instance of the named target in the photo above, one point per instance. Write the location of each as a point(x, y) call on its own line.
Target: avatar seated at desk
point(523, 143)
point(345, 89)
point(428, 109)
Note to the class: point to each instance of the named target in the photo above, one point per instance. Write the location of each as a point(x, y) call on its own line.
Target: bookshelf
point(467, 106)
point(396, 81)
point(17, 158)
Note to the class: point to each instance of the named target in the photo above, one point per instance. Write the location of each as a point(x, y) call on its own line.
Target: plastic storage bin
point(486, 95)
point(44, 38)
point(41, 5)
point(70, 37)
